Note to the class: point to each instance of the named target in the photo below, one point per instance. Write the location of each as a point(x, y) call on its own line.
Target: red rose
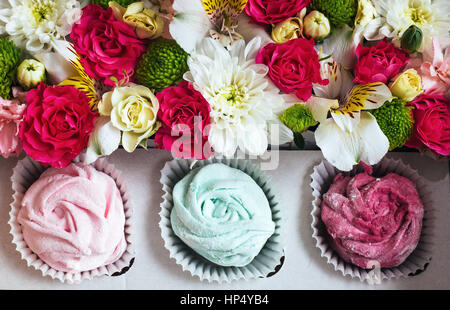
point(184, 110)
point(431, 115)
point(378, 63)
point(274, 11)
point(107, 46)
point(56, 125)
point(293, 66)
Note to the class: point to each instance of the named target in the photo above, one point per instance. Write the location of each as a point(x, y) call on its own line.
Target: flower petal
point(130, 141)
point(343, 150)
point(340, 80)
point(190, 24)
point(279, 133)
point(339, 44)
point(254, 140)
point(250, 30)
point(104, 140)
point(374, 144)
point(57, 67)
point(365, 97)
point(320, 107)
point(346, 122)
point(105, 105)
point(223, 141)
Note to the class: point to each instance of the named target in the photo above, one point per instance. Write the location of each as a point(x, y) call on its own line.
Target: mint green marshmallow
point(222, 214)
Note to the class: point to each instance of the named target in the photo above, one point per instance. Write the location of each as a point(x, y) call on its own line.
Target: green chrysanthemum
point(394, 119)
point(105, 5)
point(339, 12)
point(9, 61)
point(298, 118)
point(162, 65)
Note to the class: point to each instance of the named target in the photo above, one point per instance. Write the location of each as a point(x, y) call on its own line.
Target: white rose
point(133, 110)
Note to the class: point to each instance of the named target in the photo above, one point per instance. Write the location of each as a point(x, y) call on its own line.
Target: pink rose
point(184, 110)
point(107, 46)
point(431, 115)
point(293, 66)
point(56, 125)
point(378, 63)
point(434, 70)
point(11, 114)
point(274, 11)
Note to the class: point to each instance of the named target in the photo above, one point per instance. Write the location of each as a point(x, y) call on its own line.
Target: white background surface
point(303, 267)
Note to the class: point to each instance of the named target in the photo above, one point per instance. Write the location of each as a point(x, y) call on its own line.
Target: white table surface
point(303, 267)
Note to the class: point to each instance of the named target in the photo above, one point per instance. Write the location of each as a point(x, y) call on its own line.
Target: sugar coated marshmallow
point(373, 222)
point(222, 214)
point(73, 218)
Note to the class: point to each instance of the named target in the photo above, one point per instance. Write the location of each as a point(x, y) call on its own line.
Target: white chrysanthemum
point(243, 101)
point(36, 24)
point(431, 16)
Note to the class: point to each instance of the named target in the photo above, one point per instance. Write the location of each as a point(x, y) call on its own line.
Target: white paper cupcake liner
point(26, 172)
point(263, 264)
point(417, 261)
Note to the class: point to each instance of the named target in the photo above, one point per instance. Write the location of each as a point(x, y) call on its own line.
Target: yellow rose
point(147, 23)
point(316, 25)
point(133, 110)
point(287, 30)
point(407, 85)
point(291, 28)
point(366, 12)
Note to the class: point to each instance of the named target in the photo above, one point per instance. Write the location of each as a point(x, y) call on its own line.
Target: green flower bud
point(30, 73)
point(395, 121)
point(162, 65)
point(9, 60)
point(412, 39)
point(298, 118)
point(339, 12)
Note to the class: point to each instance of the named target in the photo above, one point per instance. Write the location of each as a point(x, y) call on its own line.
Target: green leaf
point(143, 143)
point(299, 140)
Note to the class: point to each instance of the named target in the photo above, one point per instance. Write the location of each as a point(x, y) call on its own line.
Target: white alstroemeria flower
point(344, 149)
point(243, 100)
point(339, 79)
point(192, 23)
point(36, 24)
point(395, 17)
point(351, 134)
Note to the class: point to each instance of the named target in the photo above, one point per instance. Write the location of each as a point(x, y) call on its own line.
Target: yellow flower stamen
point(223, 13)
point(357, 99)
point(83, 82)
point(41, 9)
